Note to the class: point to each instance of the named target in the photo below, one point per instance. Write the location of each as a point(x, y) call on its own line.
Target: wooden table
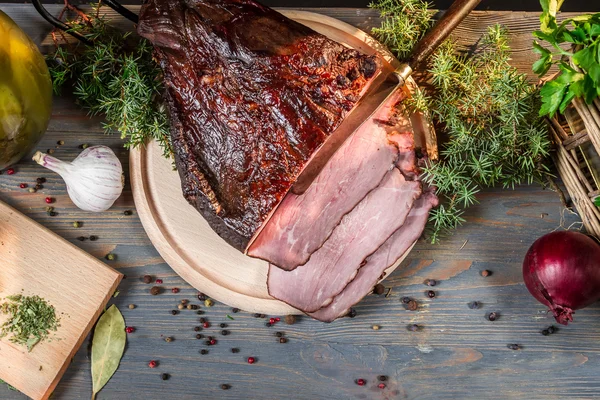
point(457, 354)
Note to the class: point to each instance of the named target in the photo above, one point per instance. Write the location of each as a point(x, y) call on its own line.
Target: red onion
point(562, 271)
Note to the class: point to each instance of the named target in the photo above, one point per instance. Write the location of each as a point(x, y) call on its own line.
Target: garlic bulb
point(94, 179)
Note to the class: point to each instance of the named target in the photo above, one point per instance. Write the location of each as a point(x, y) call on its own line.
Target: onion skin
point(562, 271)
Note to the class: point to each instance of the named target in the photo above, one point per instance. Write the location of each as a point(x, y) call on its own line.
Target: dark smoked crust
point(252, 95)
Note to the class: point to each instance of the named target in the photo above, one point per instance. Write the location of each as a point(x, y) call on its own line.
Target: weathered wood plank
point(456, 354)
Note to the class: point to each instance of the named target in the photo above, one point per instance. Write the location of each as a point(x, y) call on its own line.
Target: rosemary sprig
point(488, 111)
point(115, 77)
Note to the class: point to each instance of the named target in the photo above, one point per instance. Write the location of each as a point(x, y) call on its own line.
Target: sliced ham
point(360, 233)
point(386, 256)
point(302, 223)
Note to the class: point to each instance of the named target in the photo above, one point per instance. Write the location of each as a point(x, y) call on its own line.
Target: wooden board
point(182, 236)
point(36, 261)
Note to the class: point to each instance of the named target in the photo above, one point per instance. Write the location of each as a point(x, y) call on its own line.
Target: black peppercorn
point(278, 334)
point(513, 346)
point(199, 336)
point(155, 290)
point(552, 329)
point(200, 312)
point(127, 212)
point(53, 214)
point(282, 340)
point(165, 377)
point(93, 238)
point(223, 325)
point(201, 296)
point(192, 306)
point(38, 187)
point(379, 289)
point(40, 180)
point(257, 315)
point(545, 332)
point(235, 310)
point(203, 351)
point(352, 313)
point(225, 386)
point(81, 238)
point(207, 343)
point(235, 350)
point(224, 332)
point(268, 324)
point(430, 282)
point(473, 305)
point(405, 300)
point(413, 327)
point(202, 320)
point(382, 378)
point(197, 328)
point(492, 316)
point(147, 279)
point(174, 312)
point(430, 294)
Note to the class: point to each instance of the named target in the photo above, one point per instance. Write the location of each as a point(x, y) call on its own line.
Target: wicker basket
point(577, 138)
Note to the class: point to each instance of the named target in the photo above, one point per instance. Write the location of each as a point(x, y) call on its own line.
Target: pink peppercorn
point(10, 171)
point(271, 321)
point(381, 386)
point(23, 185)
point(206, 325)
point(130, 329)
point(360, 382)
point(159, 281)
point(277, 319)
point(49, 200)
point(175, 290)
point(251, 360)
point(213, 342)
point(152, 364)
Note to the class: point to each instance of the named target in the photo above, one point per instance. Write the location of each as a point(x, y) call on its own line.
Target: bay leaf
point(108, 345)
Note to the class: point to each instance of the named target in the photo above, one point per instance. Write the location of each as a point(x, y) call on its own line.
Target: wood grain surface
point(457, 353)
point(36, 261)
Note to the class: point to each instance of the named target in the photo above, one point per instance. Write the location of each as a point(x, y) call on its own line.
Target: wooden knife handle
point(440, 31)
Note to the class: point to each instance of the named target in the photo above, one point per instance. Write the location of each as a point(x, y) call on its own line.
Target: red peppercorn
point(251, 360)
point(10, 171)
point(152, 364)
point(49, 200)
point(130, 329)
point(23, 185)
point(277, 319)
point(175, 290)
point(159, 281)
point(381, 386)
point(271, 321)
point(206, 324)
point(213, 342)
point(361, 382)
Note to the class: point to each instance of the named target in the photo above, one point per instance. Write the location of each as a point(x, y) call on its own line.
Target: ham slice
point(302, 223)
point(360, 233)
point(386, 256)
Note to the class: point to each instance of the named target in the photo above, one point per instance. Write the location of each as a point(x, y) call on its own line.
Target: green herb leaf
point(597, 201)
point(552, 94)
point(586, 57)
point(108, 345)
point(542, 65)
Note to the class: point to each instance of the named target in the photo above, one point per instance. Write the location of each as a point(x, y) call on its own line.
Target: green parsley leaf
point(552, 93)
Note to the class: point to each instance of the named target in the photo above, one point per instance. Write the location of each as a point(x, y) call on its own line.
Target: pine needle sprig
point(486, 108)
point(117, 78)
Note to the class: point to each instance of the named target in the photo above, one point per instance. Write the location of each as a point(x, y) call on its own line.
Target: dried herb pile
point(486, 108)
point(31, 319)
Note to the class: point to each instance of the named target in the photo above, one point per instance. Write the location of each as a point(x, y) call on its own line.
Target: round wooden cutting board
point(182, 236)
